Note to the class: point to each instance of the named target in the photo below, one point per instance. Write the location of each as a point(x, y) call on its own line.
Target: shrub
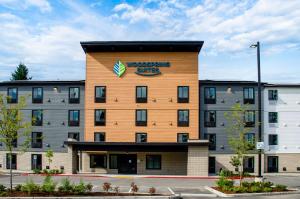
point(224, 183)
point(255, 189)
point(89, 187)
point(80, 188)
point(267, 184)
point(2, 188)
point(267, 189)
point(152, 190)
point(246, 184)
point(116, 189)
point(36, 171)
point(240, 189)
point(48, 185)
point(280, 187)
point(106, 186)
point(226, 173)
point(30, 187)
point(66, 186)
point(134, 188)
point(45, 171)
point(18, 187)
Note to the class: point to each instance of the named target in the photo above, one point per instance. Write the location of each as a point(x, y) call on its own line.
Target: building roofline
point(141, 46)
point(283, 85)
point(220, 82)
point(40, 82)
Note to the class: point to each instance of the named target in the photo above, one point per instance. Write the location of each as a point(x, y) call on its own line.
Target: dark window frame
point(183, 99)
point(246, 168)
point(249, 100)
point(136, 137)
point(271, 139)
point(249, 123)
point(141, 99)
point(210, 123)
point(38, 143)
point(271, 95)
point(110, 161)
point(100, 99)
point(37, 122)
point(11, 100)
point(74, 100)
point(183, 123)
point(74, 123)
point(100, 133)
point(104, 161)
point(253, 135)
point(179, 134)
point(210, 100)
point(99, 123)
point(212, 145)
point(141, 123)
point(37, 100)
point(156, 156)
point(32, 165)
point(272, 117)
point(14, 166)
point(74, 133)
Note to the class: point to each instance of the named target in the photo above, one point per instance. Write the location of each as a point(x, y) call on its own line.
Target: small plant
point(36, 171)
point(80, 188)
point(106, 186)
point(48, 185)
point(49, 156)
point(18, 187)
point(2, 188)
point(226, 173)
point(152, 190)
point(66, 186)
point(89, 187)
point(255, 189)
point(280, 187)
point(116, 189)
point(45, 171)
point(267, 189)
point(224, 184)
point(30, 187)
point(134, 188)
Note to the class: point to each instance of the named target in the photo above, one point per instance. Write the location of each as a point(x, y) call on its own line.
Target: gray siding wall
point(224, 102)
point(55, 113)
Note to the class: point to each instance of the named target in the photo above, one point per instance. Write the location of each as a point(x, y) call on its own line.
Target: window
point(250, 137)
point(141, 94)
point(74, 95)
point(249, 164)
point(13, 161)
point(100, 94)
point(183, 94)
point(153, 162)
point(273, 139)
point(36, 161)
point(98, 161)
point(74, 116)
point(15, 143)
point(141, 117)
point(210, 118)
point(12, 95)
point(100, 117)
point(273, 95)
point(182, 137)
point(37, 118)
point(249, 118)
point(249, 95)
point(210, 95)
point(37, 95)
point(99, 137)
point(141, 137)
point(36, 140)
point(183, 118)
point(212, 138)
point(113, 161)
point(273, 117)
point(74, 136)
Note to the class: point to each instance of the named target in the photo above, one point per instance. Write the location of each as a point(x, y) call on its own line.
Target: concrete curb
point(87, 197)
point(224, 195)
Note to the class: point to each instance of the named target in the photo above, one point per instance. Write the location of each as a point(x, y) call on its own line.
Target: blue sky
point(45, 35)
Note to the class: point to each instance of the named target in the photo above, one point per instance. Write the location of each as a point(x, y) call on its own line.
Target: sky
point(45, 34)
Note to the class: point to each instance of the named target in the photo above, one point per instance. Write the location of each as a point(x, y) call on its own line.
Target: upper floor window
point(183, 118)
point(74, 95)
point(100, 94)
point(183, 94)
point(249, 118)
point(273, 117)
point(182, 137)
point(210, 95)
point(74, 136)
point(100, 117)
point(141, 137)
point(37, 95)
point(12, 95)
point(37, 118)
point(249, 95)
point(212, 138)
point(141, 94)
point(37, 140)
point(141, 117)
point(99, 137)
point(74, 117)
point(210, 119)
point(273, 139)
point(250, 137)
point(15, 141)
point(273, 95)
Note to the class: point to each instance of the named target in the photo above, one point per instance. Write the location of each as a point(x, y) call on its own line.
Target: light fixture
point(229, 90)
point(55, 89)
point(253, 46)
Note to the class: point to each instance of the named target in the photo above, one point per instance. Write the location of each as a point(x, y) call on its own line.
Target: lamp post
point(257, 46)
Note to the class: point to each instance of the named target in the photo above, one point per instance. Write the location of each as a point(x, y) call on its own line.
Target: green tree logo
point(119, 68)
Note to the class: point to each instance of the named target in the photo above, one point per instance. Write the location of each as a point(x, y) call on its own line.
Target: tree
point(21, 73)
point(12, 127)
point(237, 130)
point(49, 155)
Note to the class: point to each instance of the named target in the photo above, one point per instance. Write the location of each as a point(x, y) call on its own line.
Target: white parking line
point(171, 191)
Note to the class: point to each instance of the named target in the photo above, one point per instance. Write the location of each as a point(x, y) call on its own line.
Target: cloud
point(43, 5)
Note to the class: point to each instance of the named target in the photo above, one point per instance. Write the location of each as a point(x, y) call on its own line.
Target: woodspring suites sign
point(148, 68)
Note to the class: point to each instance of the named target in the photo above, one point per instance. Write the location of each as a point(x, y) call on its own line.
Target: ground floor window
point(13, 161)
point(249, 164)
point(272, 163)
point(97, 161)
point(212, 165)
point(113, 161)
point(153, 162)
point(36, 161)
point(74, 136)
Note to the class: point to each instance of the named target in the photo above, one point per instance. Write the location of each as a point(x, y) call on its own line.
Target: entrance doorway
point(212, 165)
point(36, 161)
point(273, 164)
point(127, 163)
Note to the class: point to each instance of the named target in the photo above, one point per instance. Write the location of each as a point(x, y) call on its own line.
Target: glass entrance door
point(273, 164)
point(127, 163)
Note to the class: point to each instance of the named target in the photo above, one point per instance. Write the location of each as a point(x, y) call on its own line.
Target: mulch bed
point(232, 192)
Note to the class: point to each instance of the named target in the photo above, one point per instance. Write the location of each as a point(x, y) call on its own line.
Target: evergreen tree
point(21, 73)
